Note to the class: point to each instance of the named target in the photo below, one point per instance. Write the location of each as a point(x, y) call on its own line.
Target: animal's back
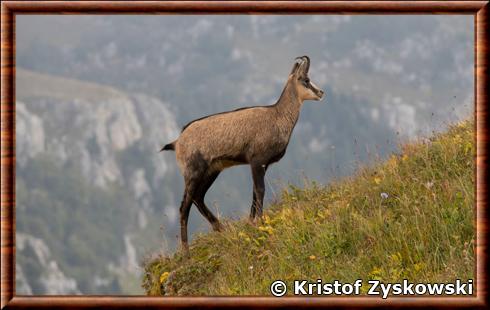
point(228, 137)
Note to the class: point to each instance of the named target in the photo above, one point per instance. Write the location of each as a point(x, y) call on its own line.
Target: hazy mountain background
point(97, 96)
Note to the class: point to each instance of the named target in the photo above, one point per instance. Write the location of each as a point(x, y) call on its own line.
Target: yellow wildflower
point(312, 257)
point(267, 219)
point(419, 266)
point(267, 229)
point(164, 276)
point(377, 180)
point(405, 157)
point(396, 257)
point(375, 272)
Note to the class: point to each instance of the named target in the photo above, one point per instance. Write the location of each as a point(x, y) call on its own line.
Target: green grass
point(423, 229)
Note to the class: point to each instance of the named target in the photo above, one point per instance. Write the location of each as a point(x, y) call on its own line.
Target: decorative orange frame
point(9, 9)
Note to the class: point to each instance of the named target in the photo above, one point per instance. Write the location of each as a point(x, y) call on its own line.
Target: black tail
point(168, 147)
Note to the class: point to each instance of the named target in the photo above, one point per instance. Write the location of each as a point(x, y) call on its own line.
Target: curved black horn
point(305, 59)
point(307, 62)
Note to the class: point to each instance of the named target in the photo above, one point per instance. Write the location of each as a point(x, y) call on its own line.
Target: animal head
point(305, 88)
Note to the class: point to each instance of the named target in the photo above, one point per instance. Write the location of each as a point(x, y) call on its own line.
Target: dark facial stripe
point(315, 90)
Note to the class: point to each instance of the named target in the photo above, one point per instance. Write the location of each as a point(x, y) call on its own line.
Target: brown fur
point(257, 136)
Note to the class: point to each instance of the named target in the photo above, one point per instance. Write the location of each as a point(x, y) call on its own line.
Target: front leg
point(252, 208)
point(258, 174)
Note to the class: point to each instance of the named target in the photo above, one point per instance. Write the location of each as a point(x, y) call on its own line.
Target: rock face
point(30, 141)
point(91, 129)
point(112, 139)
point(52, 280)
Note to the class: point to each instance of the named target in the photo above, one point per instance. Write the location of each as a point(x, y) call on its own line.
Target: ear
point(302, 71)
point(295, 66)
point(304, 66)
point(301, 66)
point(307, 63)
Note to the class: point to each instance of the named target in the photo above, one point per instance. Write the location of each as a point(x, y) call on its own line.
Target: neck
point(289, 103)
point(287, 111)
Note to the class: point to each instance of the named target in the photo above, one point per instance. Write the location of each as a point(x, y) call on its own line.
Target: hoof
point(218, 227)
point(185, 251)
point(253, 221)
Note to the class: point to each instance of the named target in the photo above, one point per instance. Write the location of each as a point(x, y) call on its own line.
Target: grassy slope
point(423, 231)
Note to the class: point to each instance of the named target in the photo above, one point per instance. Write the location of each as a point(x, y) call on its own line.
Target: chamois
point(257, 136)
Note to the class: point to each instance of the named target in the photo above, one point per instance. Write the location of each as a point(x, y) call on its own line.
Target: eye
point(306, 81)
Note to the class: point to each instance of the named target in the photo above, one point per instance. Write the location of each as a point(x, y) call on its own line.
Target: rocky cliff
point(110, 141)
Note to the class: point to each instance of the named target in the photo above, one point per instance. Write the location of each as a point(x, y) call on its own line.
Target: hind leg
point(185, 208)
point(204, 186)
point(193, 174)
